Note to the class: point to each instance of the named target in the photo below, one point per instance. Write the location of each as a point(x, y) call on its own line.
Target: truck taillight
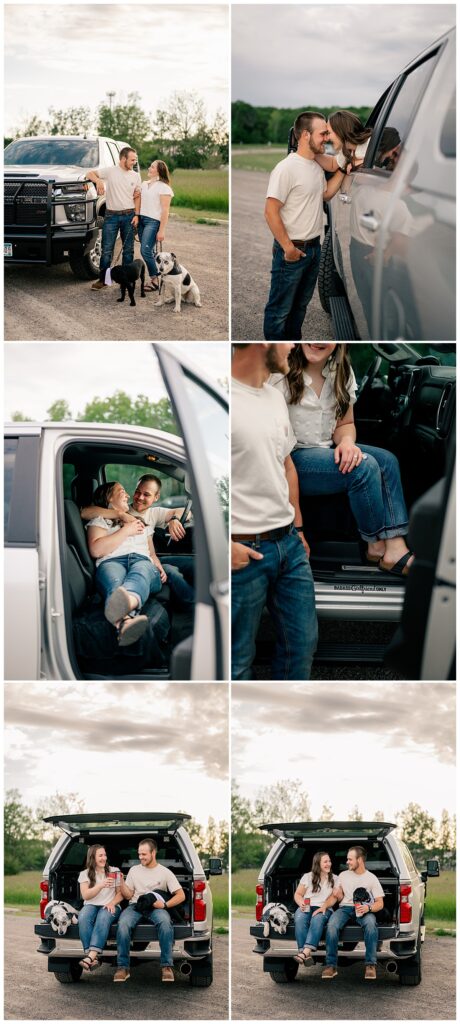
point(199, 903)
point(259, 901)
point(44, 899)
point(405, 905)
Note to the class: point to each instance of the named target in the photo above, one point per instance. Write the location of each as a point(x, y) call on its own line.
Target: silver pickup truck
point(387, 268)
point(52, 214)
point(401, 923)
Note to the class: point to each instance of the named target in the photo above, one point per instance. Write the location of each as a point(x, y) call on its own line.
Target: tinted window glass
point(448, 142)
point(129, 475)
point(76, 152)
point(113, 152)
point(393, 136)
point(408, 858)
point(212, 420)
point(11, 447)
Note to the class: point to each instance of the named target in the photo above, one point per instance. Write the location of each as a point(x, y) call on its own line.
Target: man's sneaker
point(121, 974)
point(98, 284)
point(329, 972)
point(370, 974)
point(167, 974)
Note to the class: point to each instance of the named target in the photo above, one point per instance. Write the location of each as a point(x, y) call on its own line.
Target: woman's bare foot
point(375, 550)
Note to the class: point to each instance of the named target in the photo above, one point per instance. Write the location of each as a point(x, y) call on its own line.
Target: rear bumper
point(276, 949)
point(189, 945)
point(51, 246)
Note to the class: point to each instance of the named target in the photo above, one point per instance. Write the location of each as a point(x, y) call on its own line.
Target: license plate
point(7, 249)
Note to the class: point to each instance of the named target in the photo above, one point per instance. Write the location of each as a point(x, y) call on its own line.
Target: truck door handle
point(368, 221)
point(344, 198)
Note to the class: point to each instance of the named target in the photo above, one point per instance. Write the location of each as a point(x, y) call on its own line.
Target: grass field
point(257, 158)
point(22, 890)
point(439, 909)
point(199, 194)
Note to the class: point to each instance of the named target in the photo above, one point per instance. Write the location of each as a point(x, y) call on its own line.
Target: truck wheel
point(201, 973)
point(286, 973)
point(86, 267)
point(70, 976)
point(329, 282)
point(410, 970)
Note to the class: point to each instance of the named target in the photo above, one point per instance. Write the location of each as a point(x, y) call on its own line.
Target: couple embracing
point(359, 895)
point(294, 212)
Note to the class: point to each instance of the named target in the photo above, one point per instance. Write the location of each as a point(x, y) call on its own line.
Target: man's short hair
point(360, 852)
point(304, 122)
point(147, 478)
point(125, 151)
point(246, 345)
point(151, 843)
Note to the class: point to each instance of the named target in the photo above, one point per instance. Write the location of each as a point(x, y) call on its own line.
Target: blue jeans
point(114, 223)
point(291, 289)
point(180, 588)
point(282, 580)
point(134, 572)
point(148, 230)
point(346, 915)
point(309, 929)
point(94, 924)
point(126, 925)
point(374, 488)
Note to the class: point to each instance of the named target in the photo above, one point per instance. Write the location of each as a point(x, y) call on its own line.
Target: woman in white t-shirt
point(100, 890)
point(125, 573)
point(156, 195)
point(313, 890)
point(320, 390)
point(350, 140)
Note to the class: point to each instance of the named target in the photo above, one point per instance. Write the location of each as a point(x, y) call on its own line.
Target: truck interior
point(92, 641)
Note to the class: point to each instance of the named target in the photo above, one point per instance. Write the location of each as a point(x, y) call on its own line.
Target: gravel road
point(251, 263)
point(31, 993)
point(256, 996)
point(51, 304)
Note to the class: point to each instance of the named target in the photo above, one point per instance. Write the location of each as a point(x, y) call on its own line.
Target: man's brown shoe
point(167, 974)
point(121, 974)
point(370, 974)
point(329, 972)
point(98, 284)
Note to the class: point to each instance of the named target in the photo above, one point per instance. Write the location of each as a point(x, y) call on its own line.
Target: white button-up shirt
point(314, 418)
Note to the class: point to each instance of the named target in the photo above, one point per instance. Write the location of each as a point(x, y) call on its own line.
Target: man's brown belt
point(281, 531)
point(122, 211)
point(299, 244)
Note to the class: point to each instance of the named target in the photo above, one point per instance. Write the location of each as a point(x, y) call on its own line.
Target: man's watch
point(171, 520)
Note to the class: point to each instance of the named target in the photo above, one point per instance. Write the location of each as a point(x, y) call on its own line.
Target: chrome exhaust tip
point(391, 966)
point(185, 968)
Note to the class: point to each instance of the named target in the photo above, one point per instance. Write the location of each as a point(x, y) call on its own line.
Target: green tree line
point(288, 801)
point(262, 126)
point(181, 133)
point(29, 840)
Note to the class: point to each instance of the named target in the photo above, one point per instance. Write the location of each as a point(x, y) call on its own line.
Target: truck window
point(399, 119)
point(129, 475)
point(11, 447)
point(448, 142)
point(408, 859)
point(113, 152)
point(70, 152)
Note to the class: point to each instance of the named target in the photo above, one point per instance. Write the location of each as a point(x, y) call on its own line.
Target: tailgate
point(351, 933)
point(144, 932)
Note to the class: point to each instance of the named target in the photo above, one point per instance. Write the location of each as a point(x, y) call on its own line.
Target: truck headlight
point(76, 212)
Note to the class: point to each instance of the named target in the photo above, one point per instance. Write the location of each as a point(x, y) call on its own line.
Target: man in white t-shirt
point(123, 201)
point(360, 898)
point(269, 552)
point(294, 213)
point(148, 876)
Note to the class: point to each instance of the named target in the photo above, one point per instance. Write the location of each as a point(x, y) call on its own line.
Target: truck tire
point(201, 973)
point(410, 970)
point(329, 282)
point(86, 267)
point(285, 974)
point(70, 976)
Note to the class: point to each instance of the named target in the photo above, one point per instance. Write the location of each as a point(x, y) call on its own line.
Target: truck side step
point(342, 322)
point(328, 652)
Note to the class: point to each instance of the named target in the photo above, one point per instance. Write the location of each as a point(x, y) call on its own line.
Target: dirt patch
point(49, 303)
point(251, 264)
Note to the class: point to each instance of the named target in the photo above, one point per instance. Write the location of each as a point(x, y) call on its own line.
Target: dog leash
point(127, 239)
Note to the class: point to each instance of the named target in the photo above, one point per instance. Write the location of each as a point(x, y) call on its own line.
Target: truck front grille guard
point(39, 193)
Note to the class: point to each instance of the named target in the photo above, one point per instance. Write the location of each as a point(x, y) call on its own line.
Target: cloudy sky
point(379, 747)
point(64, 55)
point(121, 747)
point(327, 55)
point(80, 372)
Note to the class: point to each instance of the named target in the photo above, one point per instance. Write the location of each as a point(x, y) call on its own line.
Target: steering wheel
point(369, 376)
point(183, 519)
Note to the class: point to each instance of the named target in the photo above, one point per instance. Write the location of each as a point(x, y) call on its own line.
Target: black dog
point(126, 277)
point(145, 903)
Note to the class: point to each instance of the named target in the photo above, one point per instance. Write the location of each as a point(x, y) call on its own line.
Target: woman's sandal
point(151, 287)
point(89, 963)
point(131, 629)
point(304, 958)
point(400, 568)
